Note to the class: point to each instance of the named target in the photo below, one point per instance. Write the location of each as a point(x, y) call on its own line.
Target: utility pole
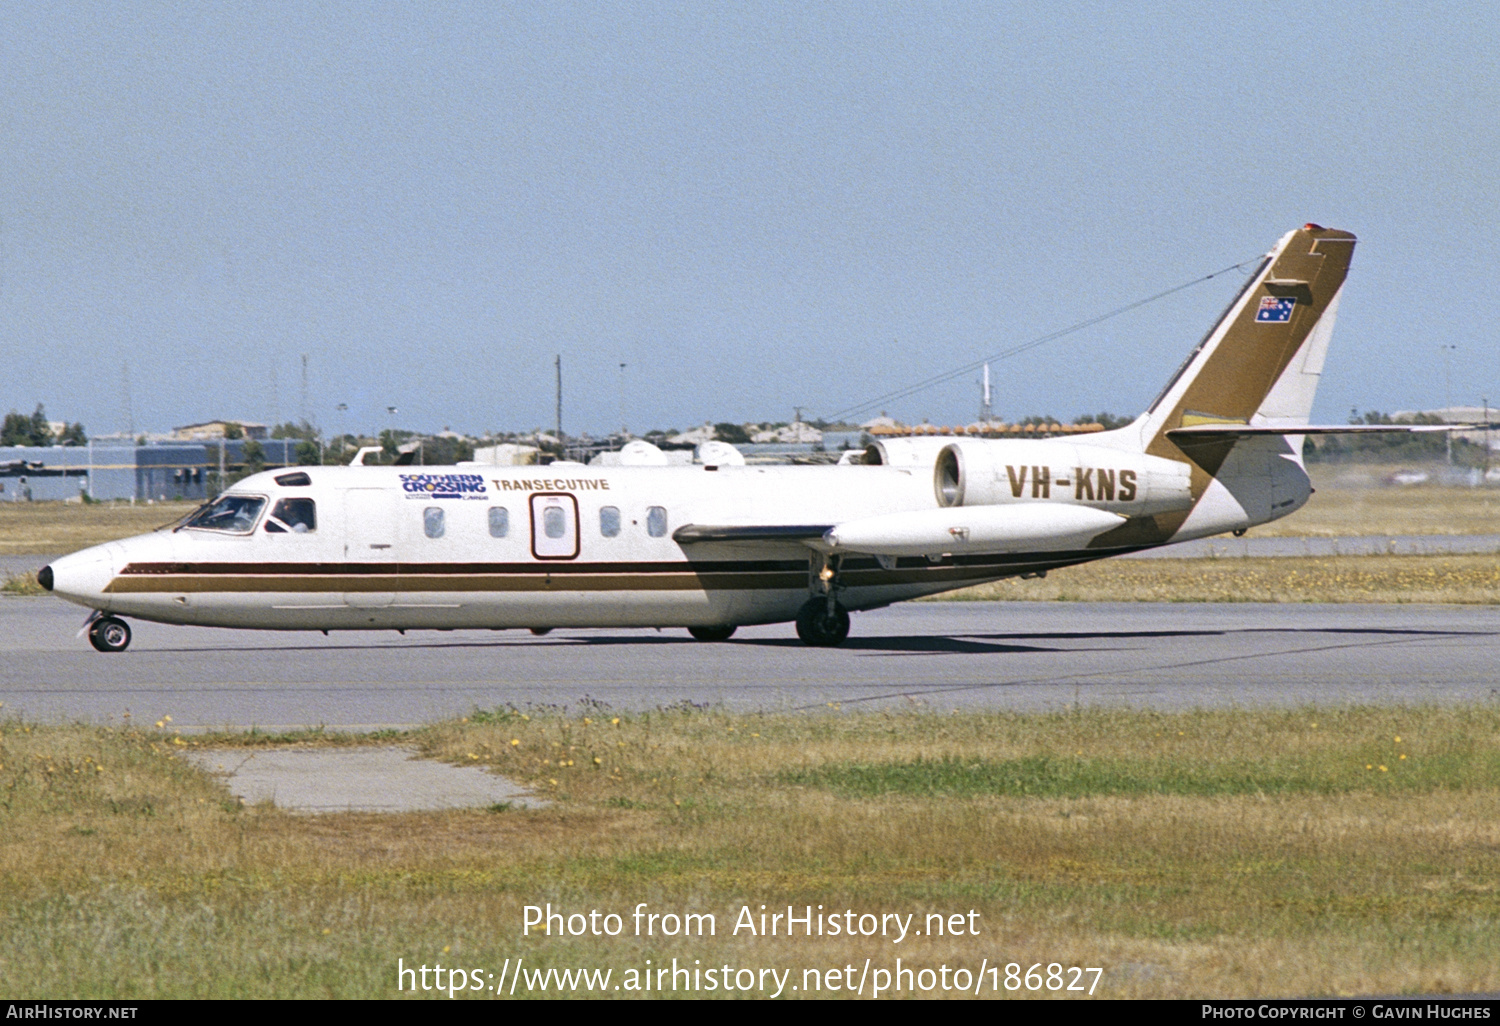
point(129, 410)
point(1447, 349)
point(302, 410)
point(624, 432)
point(559, 400)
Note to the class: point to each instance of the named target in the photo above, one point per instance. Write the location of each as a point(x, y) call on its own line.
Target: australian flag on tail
point(1275, 309)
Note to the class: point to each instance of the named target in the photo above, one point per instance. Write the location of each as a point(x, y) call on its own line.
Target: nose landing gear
point(109, 634)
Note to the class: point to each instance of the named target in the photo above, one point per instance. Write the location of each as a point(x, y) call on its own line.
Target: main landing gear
point(109, 634)
point(823, 622)
point(721, 632)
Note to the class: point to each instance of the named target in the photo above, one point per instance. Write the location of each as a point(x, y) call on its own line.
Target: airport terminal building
point(157, 473)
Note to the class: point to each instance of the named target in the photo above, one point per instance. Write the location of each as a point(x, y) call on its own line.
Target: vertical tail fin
point(1261, 362)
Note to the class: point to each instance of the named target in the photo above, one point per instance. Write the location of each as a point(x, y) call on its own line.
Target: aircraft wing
point(690, 533)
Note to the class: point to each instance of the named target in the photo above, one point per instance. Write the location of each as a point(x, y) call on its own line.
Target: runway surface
point(1021, 655)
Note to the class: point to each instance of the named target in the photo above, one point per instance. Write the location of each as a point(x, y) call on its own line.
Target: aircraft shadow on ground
point(967, 643)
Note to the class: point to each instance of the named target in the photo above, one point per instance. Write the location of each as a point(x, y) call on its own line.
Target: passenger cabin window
point(609, 521)
point(297, 516)
point(432, 522)
point(499, 521)
point(235, 514)
point(554, 522)
point(656, 521)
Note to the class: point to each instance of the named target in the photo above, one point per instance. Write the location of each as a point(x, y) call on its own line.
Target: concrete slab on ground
point(386, 779)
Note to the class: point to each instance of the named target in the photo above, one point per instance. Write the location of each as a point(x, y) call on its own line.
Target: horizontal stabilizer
point(1217, 432)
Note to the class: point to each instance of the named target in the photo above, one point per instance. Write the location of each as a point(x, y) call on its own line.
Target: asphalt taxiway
point(1019, 655)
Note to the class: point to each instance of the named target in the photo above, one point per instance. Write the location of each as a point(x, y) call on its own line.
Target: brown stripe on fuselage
point(724, 575)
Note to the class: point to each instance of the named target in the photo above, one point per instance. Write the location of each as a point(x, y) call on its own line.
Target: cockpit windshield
point(235, 513)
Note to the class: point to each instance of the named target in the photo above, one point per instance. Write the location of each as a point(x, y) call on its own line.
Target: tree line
point(20, 429)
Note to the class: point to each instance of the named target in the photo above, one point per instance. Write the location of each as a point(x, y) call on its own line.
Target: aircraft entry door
point(554, 526)
point(369, 548)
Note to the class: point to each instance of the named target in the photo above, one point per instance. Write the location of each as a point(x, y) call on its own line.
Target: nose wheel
point(109, 634)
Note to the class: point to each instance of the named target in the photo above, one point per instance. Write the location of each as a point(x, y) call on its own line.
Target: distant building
point(796, 433)
point(693, 436)
point(506, 454)
point(1461, 415)
point(213, 430)
point(156, 473)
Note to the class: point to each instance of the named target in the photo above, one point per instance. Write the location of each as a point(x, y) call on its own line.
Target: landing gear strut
point(109, 634)
point(822, 621)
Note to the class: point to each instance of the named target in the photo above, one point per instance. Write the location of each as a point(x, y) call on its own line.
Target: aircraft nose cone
point(80, 577)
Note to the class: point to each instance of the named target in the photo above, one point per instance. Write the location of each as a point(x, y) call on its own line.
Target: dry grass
point(143, 880)
point(1471, 579)
point(22, 584)
point(1348, 502)
point(51, 528)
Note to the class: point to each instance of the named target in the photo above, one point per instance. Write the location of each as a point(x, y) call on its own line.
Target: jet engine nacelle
point(986, 473)
point(919, 452)
point(972, 530)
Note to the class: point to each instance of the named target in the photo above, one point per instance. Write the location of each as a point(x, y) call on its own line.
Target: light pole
point(392, 411)
point(1448, 349)
point(624, 433)
point(1486, 401)
point(343, 408)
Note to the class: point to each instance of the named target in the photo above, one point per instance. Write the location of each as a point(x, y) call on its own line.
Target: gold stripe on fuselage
point(552, 579)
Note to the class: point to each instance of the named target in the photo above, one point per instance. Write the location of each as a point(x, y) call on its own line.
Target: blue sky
point(752, 206)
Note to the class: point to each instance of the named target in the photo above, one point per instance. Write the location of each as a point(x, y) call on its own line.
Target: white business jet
point(711, 547)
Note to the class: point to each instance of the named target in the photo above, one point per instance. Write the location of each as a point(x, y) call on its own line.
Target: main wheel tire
point(722, 632)
point(109, 634)
point(539, 631)
point(817, 628)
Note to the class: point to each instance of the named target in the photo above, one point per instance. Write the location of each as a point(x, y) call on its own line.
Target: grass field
point(1345, 503)
point(1473, 579)
point(52, 528)
point(1304, 852)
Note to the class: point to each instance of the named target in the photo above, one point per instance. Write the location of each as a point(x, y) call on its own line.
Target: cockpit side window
point(235, 514)
point(297, 516)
